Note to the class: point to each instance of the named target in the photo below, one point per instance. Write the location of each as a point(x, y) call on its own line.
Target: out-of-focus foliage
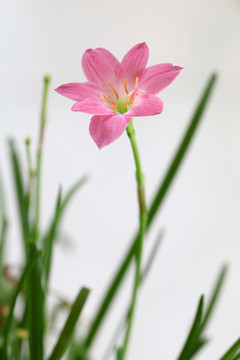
point(25, 317)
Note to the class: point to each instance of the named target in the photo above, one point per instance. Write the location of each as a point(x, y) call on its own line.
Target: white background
point(200, 214)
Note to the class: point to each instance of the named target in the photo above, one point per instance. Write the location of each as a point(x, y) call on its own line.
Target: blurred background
point(201, 212)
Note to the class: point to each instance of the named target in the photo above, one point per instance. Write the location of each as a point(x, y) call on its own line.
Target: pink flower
point(117, 91)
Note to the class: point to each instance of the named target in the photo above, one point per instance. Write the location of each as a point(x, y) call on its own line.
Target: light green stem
point(142, 229)
point(39, 158)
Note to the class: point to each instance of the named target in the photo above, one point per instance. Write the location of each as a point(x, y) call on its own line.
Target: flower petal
point(133, 64)
point(147, 105)
point(91, 106)
point(158, 77)
point(105, 129)
point(79, 91)
point(100, 66)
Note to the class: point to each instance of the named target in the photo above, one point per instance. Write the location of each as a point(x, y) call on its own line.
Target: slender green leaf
point(72, 191)
point(2, 241)
point(119, 354)
point(124, 318)
point(152, 256)
point(157, 201)
point(60, 209)
point(194, 332)
point(18, 289)
point(214, 297)
point(68, 329)
point(20, 193)
point(35, 301)
point(198, 345)
point(49, 239)
point(2, 200)
point(237, 357)
point(181, 151)
point(200, 341)
point(229, 355)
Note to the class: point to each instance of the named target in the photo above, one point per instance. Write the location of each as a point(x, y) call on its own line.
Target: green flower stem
point(142, 229)
point(39, 158)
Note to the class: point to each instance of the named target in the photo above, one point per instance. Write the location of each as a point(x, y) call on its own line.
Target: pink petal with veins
point(133, 64)
point(91, 106)
point(79, 91)
point(147, 105)
point(100, 66)
point(105, 129)
point(158, 77)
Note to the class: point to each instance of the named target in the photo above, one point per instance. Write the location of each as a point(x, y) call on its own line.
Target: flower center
point(122, 104)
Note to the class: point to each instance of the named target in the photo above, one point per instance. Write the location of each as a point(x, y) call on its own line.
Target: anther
point(114, 90)
point(136, 81)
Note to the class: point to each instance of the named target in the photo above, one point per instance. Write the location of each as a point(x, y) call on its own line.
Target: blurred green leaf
point(194, 344)
point(182, 149)
point(194, 332)
point(61, 206)
point(152, 256)
point(49, 239)
point(20, 192)
point(7, 325)
point(2, 241)
point(237, 357)
point(214, 297)
point(119, 354)
point(68, 329)
point(124, 318)
point(229, 355)
point(35, 302)
point(157, 201)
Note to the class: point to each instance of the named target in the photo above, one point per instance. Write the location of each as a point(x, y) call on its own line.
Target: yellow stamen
point(136, 81)
point(109, 100)
point(125, 86)
point(114, 90)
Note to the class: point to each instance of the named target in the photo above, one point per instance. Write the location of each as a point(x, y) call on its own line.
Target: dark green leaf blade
point(198, 345)
point(67, 331)
point(3, 233)
point(49, 239)
point(35, 302)
point(237, 357)
point(20, 193)
point(229, 355)
point(200, 339)
point(181, 150)
point(174, 166)
point(72, 191)
point(61, 206)
point(194, 332)
point(124, 318)
point(214, 297)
